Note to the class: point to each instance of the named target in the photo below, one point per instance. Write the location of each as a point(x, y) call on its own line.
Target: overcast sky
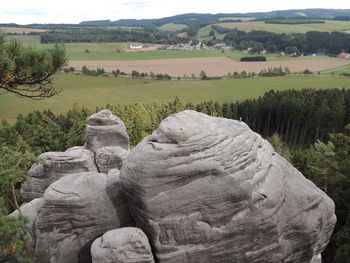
point(75, 11)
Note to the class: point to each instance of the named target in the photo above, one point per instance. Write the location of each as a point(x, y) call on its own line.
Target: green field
point(236, 18)
point(117, 51)
point(337, 71)
point(281, 28)
point(91, 92)
point(203, 33)
point(98, 48)
point(19, 30)
point(108, 51)
point(234, 55)
point(172, 27)
point(147, 55)
point(26, 39)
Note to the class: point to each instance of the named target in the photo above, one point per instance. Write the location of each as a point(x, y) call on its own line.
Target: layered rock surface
point(124, 245)
point(54, 165)
point(105, 129)
point(208, 189)
point(76, 210)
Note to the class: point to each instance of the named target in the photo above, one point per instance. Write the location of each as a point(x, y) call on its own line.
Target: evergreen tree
point(26, 71)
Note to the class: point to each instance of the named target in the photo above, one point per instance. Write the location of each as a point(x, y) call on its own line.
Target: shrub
point(135, 74)
point(116, 73)
point(255, 58)
point(167, 77)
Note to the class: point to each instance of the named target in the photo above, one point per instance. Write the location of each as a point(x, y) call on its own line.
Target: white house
point(135, 47)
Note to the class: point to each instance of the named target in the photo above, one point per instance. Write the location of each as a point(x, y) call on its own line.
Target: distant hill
point(312, 13)
point(201, 20)
point(196, 19)
point(187, 19)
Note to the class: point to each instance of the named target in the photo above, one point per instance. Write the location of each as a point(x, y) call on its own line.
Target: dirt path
point(217, 66)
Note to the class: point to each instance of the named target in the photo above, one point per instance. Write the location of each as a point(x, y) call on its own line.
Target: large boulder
point(208, 189)
point(54, 165)
point(124, 245)
point(105, 129)
point(76, 210)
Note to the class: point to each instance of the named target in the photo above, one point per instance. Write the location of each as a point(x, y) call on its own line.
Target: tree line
point(311, 42)
point(300, 117)
point(108, 35)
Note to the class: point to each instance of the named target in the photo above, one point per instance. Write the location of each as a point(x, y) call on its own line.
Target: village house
point(135, 47)
point(344, 55)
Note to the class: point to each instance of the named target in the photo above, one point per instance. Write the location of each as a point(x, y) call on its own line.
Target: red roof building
point(344, 55)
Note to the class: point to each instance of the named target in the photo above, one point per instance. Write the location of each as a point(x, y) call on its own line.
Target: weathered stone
point(76, 210)
point(114, 172)
point(124, 245)
point(110, 157)
point(105, 129)
point(31, 210)
point(54, 165)
point(208, 189)
point(316, 259)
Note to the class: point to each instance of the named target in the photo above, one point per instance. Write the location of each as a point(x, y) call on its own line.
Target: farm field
point(283, 28)
point(215, 66)
point(33, 40)
point(121, 51)
point(337, 71)
point(100, 48)
point(20, 30)
point(236, 18)
point(109, 51)
point(150, 55)
point(203, 33)
point(92, 92)
point(77, 48)
point(172, 27)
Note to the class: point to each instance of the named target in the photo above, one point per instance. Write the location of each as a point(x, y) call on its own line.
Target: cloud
point(25, 12)
point(136, 4)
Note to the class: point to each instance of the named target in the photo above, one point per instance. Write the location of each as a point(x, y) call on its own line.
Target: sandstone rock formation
point(316, 259)
point(76, 210)
point(124, 245)
point(54, 165)
point(105, 129)
point(31, 210)
point(110, 157)
point(208, 189)
point(203, 189)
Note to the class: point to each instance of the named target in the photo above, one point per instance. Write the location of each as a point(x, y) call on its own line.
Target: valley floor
point(92, 92)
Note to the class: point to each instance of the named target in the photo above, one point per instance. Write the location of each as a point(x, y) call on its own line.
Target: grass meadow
point(19, 30)
point(337, 71)
point(92, 92)
point(33, 40)
point(119, 51)
point(171, 27)
point(116, 51)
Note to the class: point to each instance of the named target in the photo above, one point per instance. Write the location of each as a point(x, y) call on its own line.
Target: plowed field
point(216, 66)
